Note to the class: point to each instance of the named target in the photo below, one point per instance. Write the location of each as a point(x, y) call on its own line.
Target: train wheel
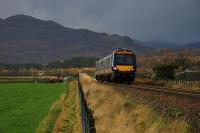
point(108, 79)
point(129, 82)
point(101, 79)
point(115, 80)
point(96, 77)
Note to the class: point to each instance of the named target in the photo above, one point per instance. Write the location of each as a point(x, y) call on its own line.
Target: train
point(119, 66)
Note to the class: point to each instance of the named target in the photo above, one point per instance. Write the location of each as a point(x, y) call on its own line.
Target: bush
point(50, 80)
point(165, 71)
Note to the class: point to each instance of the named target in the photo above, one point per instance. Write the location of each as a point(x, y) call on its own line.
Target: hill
point(24, 39)
point(192, 45)
point(165, 45)
point(159, 44)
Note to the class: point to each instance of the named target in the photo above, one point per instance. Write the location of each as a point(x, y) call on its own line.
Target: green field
point(23, 105)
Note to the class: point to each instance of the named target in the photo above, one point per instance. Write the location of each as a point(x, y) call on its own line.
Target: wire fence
point(195, 85)
point(86, 114)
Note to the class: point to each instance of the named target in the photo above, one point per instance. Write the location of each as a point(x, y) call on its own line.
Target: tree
point(35, 73)
point(182, 61)
point(79, 62)
point(164, 71)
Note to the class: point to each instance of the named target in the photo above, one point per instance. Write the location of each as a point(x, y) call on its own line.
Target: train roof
point(124, 49)
point(104, 58)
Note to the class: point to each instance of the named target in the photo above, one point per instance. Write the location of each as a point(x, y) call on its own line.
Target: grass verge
point(69, 120)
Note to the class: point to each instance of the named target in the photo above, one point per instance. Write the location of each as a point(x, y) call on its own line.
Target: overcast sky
point(162, 20)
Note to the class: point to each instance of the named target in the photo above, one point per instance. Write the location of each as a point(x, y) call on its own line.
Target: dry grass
point(69, 120)
point(75, 71)
point(148, 81)
point(115, 112)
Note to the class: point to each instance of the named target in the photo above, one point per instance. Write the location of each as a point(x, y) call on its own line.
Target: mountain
point(24, 39)
point(192, 45)
point(159, 44)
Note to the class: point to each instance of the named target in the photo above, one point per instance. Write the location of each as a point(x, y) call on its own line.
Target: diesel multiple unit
point(120, 65)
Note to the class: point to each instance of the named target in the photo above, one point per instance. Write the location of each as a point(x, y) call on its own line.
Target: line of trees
point(78, 62)
point(30, 68)
point(20, 66)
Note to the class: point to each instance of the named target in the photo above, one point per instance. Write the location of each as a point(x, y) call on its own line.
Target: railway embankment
point(119, 109)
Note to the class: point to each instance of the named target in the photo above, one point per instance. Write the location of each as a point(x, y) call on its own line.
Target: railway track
point(180, 92)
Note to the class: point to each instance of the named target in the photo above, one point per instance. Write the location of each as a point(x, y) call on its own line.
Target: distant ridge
point(192, 45)
point(158, 44)
point(25, 39)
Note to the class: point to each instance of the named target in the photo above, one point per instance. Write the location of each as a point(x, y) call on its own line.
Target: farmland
point(23, 105)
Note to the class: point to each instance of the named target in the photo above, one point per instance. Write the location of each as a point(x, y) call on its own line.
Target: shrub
point(164, 71)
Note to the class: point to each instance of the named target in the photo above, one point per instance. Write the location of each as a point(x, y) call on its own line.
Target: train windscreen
point(124, 59)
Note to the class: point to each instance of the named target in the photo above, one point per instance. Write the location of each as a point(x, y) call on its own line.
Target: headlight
point(115, 68)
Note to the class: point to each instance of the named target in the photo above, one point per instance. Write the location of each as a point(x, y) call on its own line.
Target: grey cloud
point(166, 20)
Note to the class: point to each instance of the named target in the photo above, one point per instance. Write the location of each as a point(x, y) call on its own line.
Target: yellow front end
point(124, 68)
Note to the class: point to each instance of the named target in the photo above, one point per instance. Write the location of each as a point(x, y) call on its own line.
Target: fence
point(189, 76)
point(193, 85)
point(86, 114)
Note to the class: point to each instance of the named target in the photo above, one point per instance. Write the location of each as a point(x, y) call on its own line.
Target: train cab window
point(124, 59)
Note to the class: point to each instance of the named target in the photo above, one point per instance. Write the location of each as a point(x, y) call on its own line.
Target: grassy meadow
point(23, 105)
